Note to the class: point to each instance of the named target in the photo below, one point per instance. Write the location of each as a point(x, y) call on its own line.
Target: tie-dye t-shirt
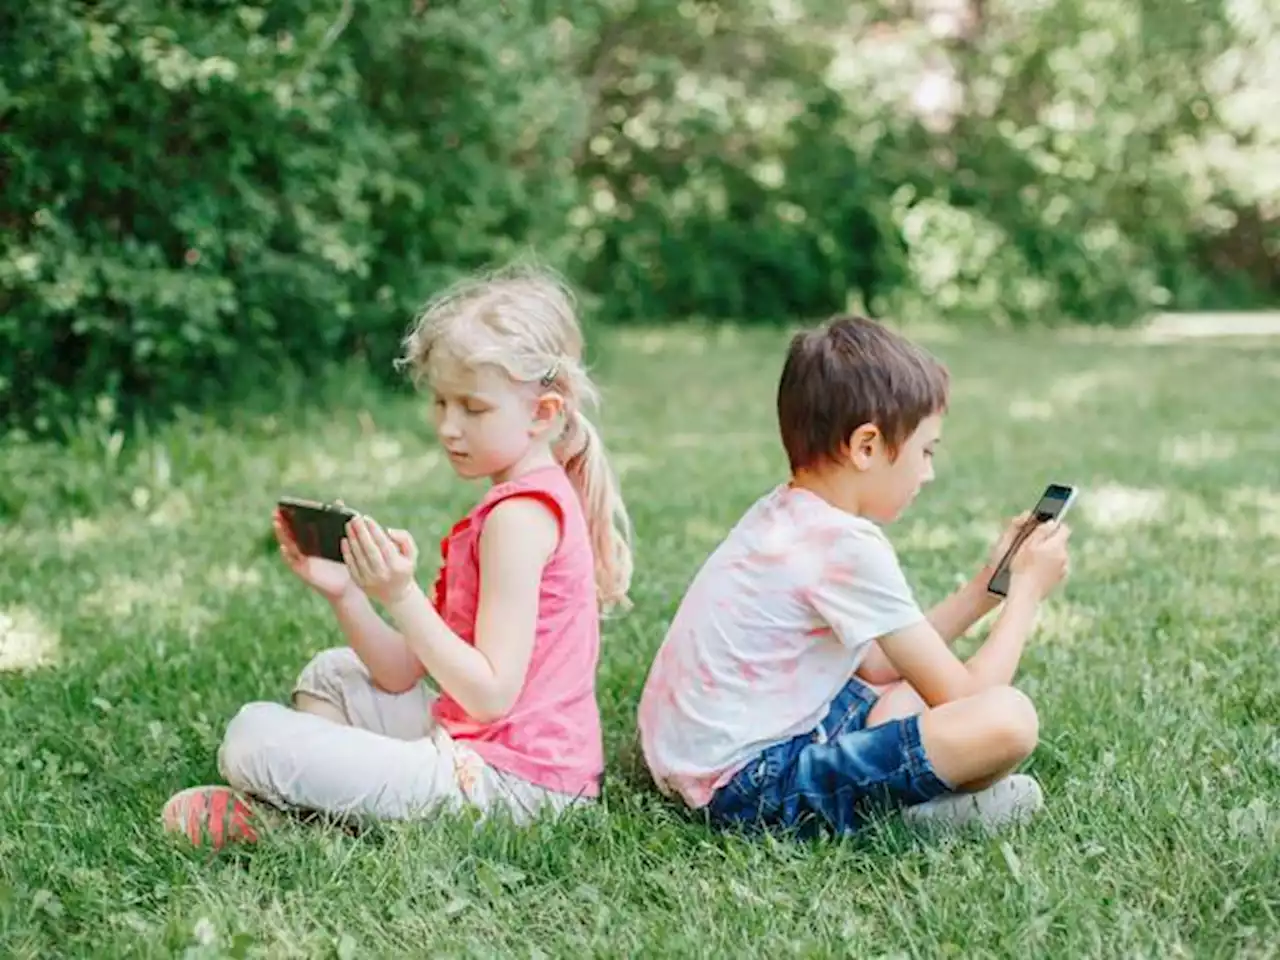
point(769, 632)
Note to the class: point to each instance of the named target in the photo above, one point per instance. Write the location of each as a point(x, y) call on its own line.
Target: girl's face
point(489, 425)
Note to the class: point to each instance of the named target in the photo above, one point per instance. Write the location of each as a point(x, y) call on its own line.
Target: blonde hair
point(521, 319)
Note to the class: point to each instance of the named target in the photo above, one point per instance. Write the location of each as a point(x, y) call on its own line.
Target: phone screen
point(1052, 504)
point(318, 528)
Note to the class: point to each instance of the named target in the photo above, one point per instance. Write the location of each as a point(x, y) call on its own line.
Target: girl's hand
point(327, 578)
point(382, 563)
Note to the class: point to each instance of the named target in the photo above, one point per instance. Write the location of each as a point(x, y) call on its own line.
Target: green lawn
point(142, 602)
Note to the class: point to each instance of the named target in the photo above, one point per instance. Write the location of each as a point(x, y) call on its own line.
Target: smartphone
point(1052, 507)
point(317, 527)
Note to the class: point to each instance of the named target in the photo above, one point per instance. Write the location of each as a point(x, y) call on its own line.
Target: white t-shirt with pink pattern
point(770, 630)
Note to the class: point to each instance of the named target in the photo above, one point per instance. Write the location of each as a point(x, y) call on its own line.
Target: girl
point(511, 632)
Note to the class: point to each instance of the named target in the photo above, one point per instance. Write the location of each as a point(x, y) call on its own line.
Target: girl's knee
point(328, 671)
point(247, 738)
point(334, 662)
point(259, 735)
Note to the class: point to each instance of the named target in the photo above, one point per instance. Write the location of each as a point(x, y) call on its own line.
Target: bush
point(196, 195)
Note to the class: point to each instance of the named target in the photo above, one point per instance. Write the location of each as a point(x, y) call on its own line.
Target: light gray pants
point(392, 761)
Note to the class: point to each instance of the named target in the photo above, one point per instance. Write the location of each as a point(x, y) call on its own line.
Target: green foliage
point(197, 195)
point(1073, 160)
point(778, 170)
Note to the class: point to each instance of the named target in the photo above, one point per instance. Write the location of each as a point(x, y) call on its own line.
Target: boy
point(799, 685)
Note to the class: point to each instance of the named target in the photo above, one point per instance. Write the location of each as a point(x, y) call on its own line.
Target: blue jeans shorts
point(834, 778)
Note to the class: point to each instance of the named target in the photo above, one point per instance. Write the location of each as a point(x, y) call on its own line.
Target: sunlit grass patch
point(1114, 505)
point(142, 600)
point(26, 642)
point(1199, 448)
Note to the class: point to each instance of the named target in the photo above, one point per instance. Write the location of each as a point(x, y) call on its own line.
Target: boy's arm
point(950, 619)
point(953, 617)
point(392, 665)
point(923, 659)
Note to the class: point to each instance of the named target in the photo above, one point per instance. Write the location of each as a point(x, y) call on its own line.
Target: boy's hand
point(1004, 543)
point(1042, 562)
point(327, 578)
point(382, 563)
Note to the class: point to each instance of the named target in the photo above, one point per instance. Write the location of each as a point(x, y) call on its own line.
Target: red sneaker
point(214, 815)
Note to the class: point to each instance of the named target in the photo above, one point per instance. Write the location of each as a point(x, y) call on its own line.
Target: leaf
point(489, 880)
point(1011, 859)
point(346, 947)
point(1251, 821)
point(455, 906)
point(45, 901)
point(240, 944)
point(496, 878)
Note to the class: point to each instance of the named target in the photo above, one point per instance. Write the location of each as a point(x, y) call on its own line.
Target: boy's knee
point(1016, 720)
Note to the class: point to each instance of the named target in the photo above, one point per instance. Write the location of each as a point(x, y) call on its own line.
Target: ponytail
point(523, 322)
point(582, 454)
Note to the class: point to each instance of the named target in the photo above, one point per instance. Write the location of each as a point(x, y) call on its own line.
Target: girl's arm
point(518, 538)
point(392, 665)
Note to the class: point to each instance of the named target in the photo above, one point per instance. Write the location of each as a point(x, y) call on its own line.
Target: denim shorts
point(834, 778)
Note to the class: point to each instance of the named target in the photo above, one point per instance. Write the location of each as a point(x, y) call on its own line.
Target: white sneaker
point(1015, 799)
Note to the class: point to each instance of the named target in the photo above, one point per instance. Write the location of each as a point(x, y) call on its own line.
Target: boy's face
point(887, 483)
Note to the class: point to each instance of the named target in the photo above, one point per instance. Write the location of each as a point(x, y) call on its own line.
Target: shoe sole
point(212, 816)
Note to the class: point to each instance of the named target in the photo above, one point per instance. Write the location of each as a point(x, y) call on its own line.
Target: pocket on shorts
point(754, 792)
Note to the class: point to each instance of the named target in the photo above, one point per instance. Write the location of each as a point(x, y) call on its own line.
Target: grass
point(142, 603)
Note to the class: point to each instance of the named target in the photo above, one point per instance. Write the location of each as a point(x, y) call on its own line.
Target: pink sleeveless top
point(551, 736)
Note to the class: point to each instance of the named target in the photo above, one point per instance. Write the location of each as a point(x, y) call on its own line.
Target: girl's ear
point(864, 443)
point(547, 411)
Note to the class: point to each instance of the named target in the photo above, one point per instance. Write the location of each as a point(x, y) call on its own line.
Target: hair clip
point(549, 377)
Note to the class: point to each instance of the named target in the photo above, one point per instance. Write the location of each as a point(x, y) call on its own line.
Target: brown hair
point(849, 372)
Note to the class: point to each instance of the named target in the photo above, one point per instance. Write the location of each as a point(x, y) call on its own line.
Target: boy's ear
point(546, 411)
point(864, 443)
